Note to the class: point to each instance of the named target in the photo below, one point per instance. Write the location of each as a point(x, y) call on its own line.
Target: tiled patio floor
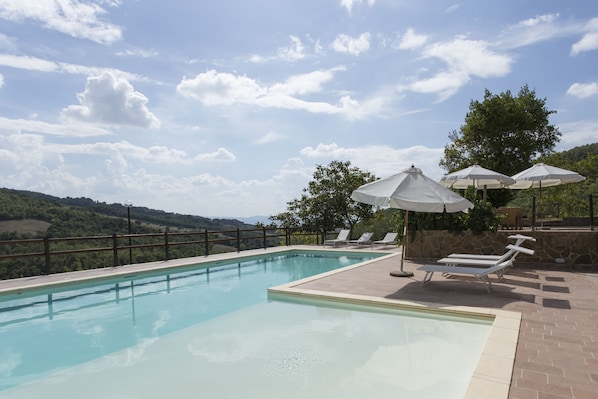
point(557, 353)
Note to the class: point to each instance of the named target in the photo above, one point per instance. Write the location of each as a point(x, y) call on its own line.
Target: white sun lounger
point(365, 239)
point(342, 238)
point(480, 273)
point(520, 239)
point(488, 260)
point(389, 239)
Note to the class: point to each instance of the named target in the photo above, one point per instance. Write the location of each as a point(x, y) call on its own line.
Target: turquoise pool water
point(215, 334)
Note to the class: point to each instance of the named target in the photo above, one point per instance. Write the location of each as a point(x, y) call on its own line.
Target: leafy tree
point(326, 202)
point(502, 133)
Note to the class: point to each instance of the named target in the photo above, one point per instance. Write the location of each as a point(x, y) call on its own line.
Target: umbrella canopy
point(542, 175)
point(410, 190)
point(478, 177)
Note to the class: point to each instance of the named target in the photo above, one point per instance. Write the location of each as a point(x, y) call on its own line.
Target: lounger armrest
point(521, 249)
point(521, 237)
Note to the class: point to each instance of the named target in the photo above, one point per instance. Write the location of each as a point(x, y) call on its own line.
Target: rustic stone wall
point(562, 248)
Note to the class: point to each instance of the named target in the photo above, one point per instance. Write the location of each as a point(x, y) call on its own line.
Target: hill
point(27, 214)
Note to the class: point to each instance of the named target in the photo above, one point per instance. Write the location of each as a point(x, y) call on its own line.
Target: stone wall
point(575, 249)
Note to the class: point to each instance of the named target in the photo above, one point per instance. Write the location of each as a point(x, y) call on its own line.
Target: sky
point(224, 108)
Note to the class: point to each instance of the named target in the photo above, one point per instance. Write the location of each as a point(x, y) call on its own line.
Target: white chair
point(389, 239)
point(365, 239)
point(342, 238)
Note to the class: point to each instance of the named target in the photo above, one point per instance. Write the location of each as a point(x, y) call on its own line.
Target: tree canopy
point(502, 133)
point(326, 202)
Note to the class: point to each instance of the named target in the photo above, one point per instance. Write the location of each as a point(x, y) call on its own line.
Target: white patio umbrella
point(480, 178)
point(542, 175)
point(410, 190)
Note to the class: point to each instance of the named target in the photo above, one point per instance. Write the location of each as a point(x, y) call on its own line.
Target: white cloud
point(589, 41)
point(138, 53)
point(382, 160)
point(583, 90)
point(33, 126)
point(75, 18)
point(294, 52)
point(464, 58)
point(269, 137)
point(352, 46)
point(411, 40)
point(214, 88)
point(577, 133)
point(348, 4)
point(111, 100)
point(1, 80)
point(538, 29)
point(41, 65)
point(221, 155)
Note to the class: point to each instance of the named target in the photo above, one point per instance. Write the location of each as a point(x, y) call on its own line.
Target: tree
point(326, 202)
point(502, 133)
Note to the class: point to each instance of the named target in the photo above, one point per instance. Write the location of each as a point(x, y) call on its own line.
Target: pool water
point(58, 329)
point(216, 335)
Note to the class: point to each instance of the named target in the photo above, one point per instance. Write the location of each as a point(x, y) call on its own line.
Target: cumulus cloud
point(411, 40)
point(352, 45)
point(214, 88)
point(111, 100)
point(464, 58)
point(583, 90)
point(75, 18)
point(589, 41)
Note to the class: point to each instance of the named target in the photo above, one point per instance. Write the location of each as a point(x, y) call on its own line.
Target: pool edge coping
point(492, 376)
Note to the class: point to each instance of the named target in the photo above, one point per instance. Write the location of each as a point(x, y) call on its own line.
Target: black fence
point(138, 248)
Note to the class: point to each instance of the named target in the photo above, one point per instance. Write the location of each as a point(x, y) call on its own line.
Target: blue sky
point(224, 108)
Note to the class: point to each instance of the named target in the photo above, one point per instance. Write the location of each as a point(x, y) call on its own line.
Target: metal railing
point(198, 243)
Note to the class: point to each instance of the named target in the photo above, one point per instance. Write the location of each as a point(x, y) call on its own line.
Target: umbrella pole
point(402, 273)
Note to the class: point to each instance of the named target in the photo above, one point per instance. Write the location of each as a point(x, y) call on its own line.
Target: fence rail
point(200, 242)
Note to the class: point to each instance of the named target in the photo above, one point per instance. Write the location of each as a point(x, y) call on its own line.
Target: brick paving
point(557, 352)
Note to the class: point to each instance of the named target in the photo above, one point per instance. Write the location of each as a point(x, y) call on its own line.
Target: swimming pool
point(164, 335)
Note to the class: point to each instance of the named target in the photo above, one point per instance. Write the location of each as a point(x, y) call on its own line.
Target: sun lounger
point(389, 239)
point(520, 239)
point(365, 239)
point(341, 239)
point(486, 260)
point(480, 273)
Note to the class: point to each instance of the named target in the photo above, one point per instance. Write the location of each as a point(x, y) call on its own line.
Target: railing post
point(114, 250)
point(591, 212)
point(264, 227)
point(238, 240)
point(47, 254)
point(166, 254)
point(287, 236)
point(205, 238)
